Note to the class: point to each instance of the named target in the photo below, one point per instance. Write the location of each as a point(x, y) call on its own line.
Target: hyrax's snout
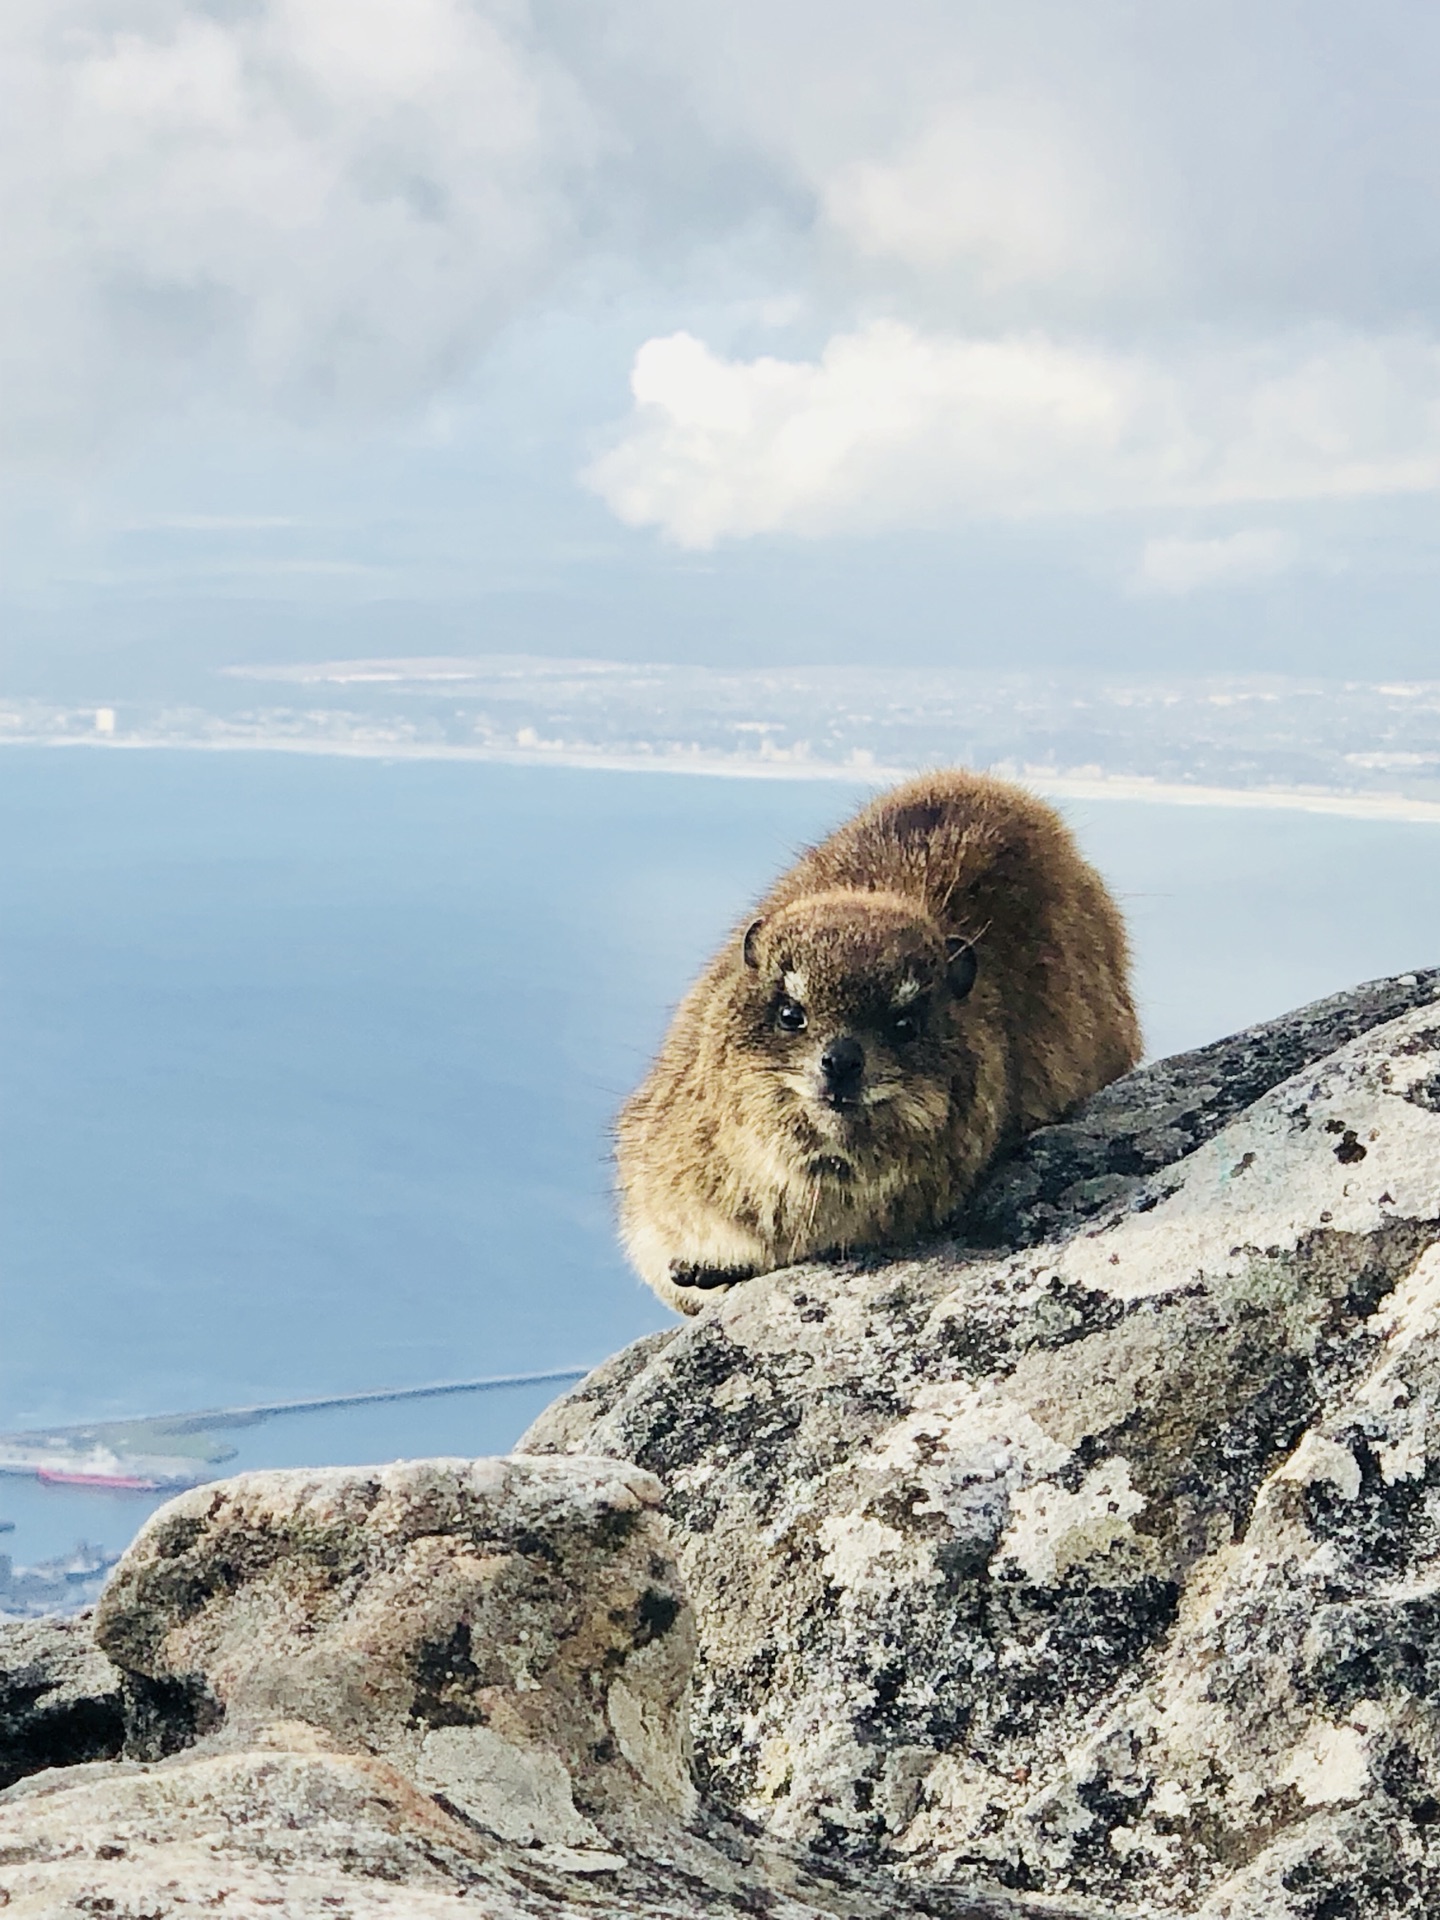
point(842, 1068)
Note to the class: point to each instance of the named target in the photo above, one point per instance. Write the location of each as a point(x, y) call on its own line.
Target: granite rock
point(1094, 1550)
point(61, 1700)
point(390, 1691)
point(1159, 1113)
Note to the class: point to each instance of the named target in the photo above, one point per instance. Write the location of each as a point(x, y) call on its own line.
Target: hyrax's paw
point(684, 1273)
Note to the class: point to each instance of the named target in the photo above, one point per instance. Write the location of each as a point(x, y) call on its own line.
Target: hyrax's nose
point(842, 1063)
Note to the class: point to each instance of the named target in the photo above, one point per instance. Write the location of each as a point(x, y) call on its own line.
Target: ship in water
point(167, 1453)
point(128, 1462)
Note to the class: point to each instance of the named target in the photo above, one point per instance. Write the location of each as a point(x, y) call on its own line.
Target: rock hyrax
point(939, 976)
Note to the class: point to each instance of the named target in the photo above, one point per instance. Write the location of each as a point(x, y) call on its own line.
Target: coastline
point(1389, 808)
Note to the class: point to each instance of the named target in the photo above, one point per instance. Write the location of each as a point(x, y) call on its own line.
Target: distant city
point(1350, 746)
point(63, 1584)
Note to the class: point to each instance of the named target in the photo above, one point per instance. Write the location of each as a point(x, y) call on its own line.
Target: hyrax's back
point(993, 863)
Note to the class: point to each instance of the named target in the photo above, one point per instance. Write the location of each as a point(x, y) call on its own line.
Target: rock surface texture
point(60, 1699)
point(1087, 1563)
point(390, 1692)
point(1097, 1551)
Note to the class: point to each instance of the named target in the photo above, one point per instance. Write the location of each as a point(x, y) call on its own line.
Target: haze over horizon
point(993, 337)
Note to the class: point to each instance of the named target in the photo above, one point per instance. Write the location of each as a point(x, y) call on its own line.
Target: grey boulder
point(1095, 1551)
point(436, 1687)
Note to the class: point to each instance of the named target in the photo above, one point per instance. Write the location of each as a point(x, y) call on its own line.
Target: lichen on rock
point(1103, 1561)
point(386, 1691)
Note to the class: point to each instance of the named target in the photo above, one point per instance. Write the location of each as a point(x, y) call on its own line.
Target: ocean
point(308, 1062)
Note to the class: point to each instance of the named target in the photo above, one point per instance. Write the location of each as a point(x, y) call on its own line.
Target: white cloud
point(999, 184)
point(1270, 163)
point(894, 427)
point(316, 204)
point(323, 208)
point(1177, 565)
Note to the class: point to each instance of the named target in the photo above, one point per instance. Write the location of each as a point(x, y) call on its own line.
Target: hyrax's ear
point(961, 965)
point(748, 945)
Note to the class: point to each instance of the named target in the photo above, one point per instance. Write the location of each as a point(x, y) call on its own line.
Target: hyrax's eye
point(904, 1026)
point(790, 1017)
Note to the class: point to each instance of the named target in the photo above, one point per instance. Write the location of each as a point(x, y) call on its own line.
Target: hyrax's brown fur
point(942, 974)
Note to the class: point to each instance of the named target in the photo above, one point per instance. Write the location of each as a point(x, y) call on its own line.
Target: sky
point(1018, 334)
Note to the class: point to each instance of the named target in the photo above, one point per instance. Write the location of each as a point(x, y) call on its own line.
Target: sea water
point(307, 1063)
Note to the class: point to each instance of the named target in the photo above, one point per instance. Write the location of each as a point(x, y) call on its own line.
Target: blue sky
point(1019, 334)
